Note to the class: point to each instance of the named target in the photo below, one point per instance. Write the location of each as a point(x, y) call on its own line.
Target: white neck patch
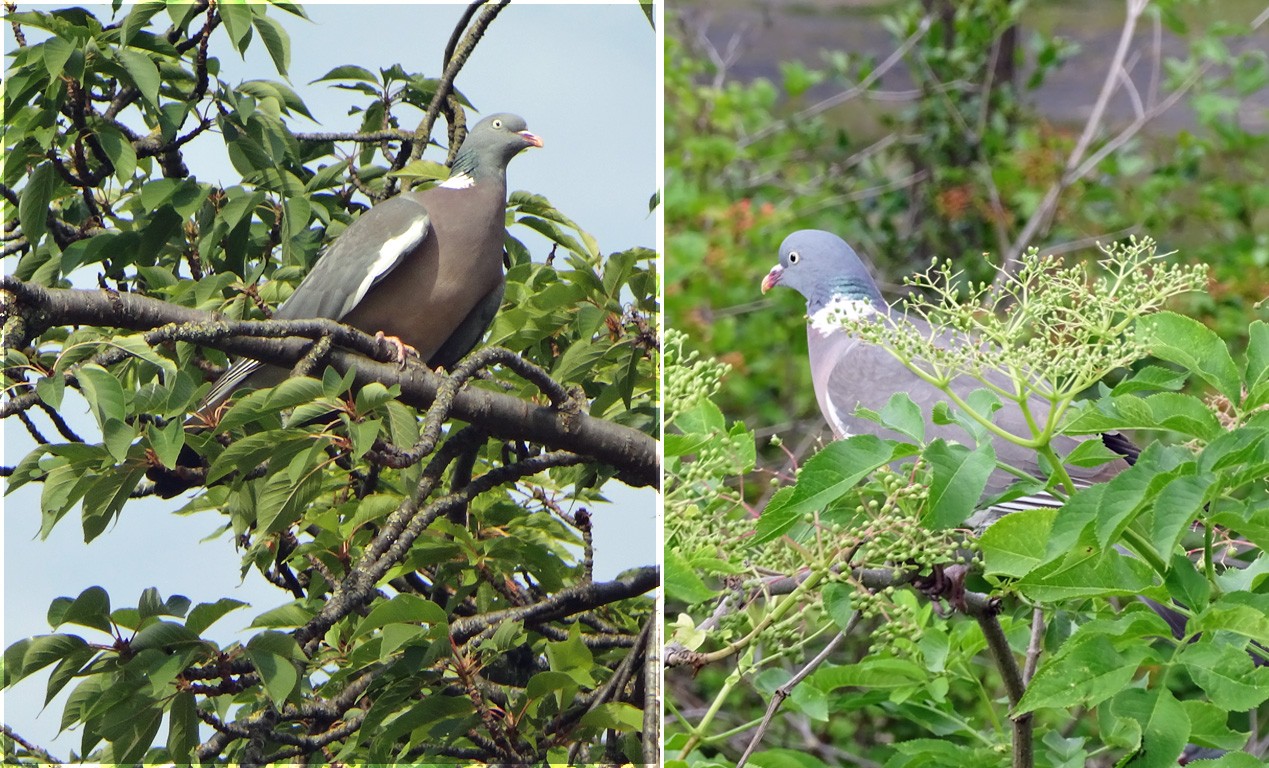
point(829, 317)
point(461, 181)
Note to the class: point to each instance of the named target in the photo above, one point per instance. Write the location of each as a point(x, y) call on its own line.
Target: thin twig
point(1040, 218)
point(37, 751)
point(850, 93)
point(786, 690)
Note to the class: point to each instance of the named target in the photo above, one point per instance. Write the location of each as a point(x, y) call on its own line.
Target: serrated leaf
point(614, 715)
point(682, 582)
point(56, 51)
point(143, 72)
point(138, 18)
point(120, 151)
point(825, 478)
point(278, 674)
point(33, 202)
point(349, 72)
point(959, 479)
point(289, 615)
point(402, 609)
point(90, 609)
point(1187, 342)
point(1018, 542)
point(204, 615)
point(276, 41)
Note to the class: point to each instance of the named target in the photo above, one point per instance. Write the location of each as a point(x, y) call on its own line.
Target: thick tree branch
point(633, 453)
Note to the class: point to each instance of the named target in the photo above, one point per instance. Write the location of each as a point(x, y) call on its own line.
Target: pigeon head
point(491, 144)
point(822, 267)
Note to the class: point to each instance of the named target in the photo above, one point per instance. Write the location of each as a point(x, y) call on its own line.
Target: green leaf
point(349, 72)
point(1175, 508)
point(138, 18)
point(904, 416)
point(1189, 343)
point(1084, 672)
point(56, 50)
point(1017, 543)
point(1151, 378)
point(278, 674)
point(1086, 571)
point(838, 603)
point(167, 441)
point(544, 684)
point(90, 609)
point(960, 477)
point(402, 609)
point(1090, 453)
point(425, 170)
point(204, 615)
point(1209, 728)
point(247, 453)
point(139, 726)
point(51, 389)
point(1165, 728)
point(38, 652)
point(826, 477)
point(182, 727)
point(237, 17)
point(572, 657)
point(33, 204)
point(363, 434)
point(1226, 673)
point(1230, 615)
point(614, 715)
point(280, 643)
point(105, 499)
point(144, 73)
point(1257, 372)
point(293, 614)
point(876, 672)
point(120, 151)
point(276, 40)
point(165, 636)
point(117, 435)
point(682, 581)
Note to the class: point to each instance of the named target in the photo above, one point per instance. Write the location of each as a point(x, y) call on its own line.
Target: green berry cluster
point(896, 622)
point(689, 377)
point(1055, 329)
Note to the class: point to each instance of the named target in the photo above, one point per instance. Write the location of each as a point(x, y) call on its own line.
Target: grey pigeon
point(848, 372)
point(423, 268)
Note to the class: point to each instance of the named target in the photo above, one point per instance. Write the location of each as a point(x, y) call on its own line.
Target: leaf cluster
point(1182, 527)
point(439, 600)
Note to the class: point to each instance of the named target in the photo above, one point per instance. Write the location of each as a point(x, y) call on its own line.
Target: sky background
point(585, 79)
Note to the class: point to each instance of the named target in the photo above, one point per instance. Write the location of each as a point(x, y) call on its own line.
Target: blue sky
point(585, 79)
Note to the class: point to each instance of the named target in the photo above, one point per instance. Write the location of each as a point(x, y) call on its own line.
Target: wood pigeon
point(848, 372)
point(423, 269)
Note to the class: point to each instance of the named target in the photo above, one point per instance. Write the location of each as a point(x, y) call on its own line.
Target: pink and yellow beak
point(534, 141)
point(773, 278)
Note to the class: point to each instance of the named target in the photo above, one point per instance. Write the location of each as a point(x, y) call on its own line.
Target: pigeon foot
point(400, 349)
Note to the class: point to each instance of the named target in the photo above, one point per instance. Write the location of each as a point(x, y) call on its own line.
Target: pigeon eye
point(794, 257)
point(497, 123)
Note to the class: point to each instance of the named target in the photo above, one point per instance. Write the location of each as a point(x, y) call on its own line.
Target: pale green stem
point(1142, 548)
point(973, 414)
point(775, 614)
point(696, 738)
